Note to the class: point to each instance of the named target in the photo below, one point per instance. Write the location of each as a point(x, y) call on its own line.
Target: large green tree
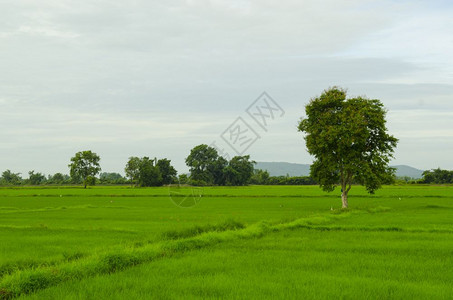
point(349, 140)
point(167, 170)
point(239, 170)
point(85, 165)
point(202, 162)
point(149, 173)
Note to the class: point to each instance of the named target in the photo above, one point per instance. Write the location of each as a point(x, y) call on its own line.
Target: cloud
point(156, 78)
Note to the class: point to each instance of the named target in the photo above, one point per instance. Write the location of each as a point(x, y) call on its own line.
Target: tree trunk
point(344, 199)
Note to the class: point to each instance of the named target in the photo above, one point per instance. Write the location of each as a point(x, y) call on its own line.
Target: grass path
point(29, 280)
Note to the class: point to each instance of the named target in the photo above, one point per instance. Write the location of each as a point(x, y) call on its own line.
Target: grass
point(249, 242)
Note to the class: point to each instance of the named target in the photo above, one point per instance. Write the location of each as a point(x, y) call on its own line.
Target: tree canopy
point(201, 161)
point(36, 178)
point(208, 167)
point(240, 170)
point(167, 171)
point(438, 176)
point(10, 178)
point(150, 172)
point(132, 169)
point(85, 165)
point(349, 140)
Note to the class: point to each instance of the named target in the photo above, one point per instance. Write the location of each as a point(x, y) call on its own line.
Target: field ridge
point(26, 281)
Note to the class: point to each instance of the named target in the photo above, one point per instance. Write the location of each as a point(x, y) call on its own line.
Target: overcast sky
point(155, 78)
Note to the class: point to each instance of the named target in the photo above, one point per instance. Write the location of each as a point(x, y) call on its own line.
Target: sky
point(156, 78)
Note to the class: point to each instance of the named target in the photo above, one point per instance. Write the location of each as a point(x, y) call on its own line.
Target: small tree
point(111, 178)
point(349, 140)
point(132, 169)
point(183, 179)
point(260, 177)
point(85, 165)
point(36, 178)
point(57, 178)
point(9, 177)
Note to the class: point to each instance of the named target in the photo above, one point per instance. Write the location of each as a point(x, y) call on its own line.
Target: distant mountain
point(403, 170)
point(293, 169)
point(283, 168)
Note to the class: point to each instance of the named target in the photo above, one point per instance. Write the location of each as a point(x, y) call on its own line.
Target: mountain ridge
point(296, 169)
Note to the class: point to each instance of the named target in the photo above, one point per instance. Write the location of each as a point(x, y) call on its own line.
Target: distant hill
point(293, 169)
point(283, 168)
point(403, 170)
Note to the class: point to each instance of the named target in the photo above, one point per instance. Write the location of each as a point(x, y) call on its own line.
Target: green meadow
point(255, 242)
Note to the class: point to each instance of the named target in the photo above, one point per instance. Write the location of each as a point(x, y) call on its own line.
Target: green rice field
point(255, 242)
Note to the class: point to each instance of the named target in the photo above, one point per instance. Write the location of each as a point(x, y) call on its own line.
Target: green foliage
point(260, 177)
point(229, 224)
point(239, 171)
point(10, 178)
point(58, 178)
point(217, 171)
point(349, 140)
point(111, 178)
point(183, 179)
point(149, 174)
point(202, 163)
point(132, 169)
point(36, 178)
point(438, 176)
point(167, 171)
point(85, 165)
point(207, 167)
point(291, 180)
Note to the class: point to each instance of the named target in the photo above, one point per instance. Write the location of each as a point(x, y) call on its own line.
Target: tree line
point(262, 177)
point(437, 176)
point(347, 137)
point(207, 167)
